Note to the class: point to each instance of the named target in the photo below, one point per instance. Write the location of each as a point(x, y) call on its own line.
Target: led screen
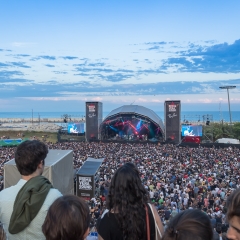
point(192, 130)
point(76, 128)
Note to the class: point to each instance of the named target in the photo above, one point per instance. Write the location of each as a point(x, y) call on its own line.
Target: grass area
point(42, 136)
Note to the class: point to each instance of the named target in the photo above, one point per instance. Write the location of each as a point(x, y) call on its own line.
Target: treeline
point(215, 131)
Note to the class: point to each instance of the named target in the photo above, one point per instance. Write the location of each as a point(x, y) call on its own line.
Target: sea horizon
point(185, 115)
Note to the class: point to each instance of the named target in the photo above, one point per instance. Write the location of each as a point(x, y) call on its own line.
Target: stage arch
point(132, 122)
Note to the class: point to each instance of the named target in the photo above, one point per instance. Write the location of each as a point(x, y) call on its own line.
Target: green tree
point(221, 130)
point(66, 117)
point(236, 130)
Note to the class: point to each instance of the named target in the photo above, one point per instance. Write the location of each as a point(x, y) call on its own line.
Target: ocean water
point(190, 116)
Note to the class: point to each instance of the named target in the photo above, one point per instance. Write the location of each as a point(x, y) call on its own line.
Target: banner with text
point(173, 121)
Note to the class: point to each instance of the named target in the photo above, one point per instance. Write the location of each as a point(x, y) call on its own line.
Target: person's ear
point(41, 164)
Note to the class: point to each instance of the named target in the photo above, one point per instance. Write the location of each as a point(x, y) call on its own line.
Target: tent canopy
point(90, 167)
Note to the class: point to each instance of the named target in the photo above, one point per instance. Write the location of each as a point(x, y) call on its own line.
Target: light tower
point(229, 87)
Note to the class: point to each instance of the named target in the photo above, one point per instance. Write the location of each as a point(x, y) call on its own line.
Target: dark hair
point(128, 197)
point(67, 218)
point(189, 224)
point(28, 156)
point(2, 233)
point(233, 204)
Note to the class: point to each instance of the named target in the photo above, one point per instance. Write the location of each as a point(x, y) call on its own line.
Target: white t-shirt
point(34, 229)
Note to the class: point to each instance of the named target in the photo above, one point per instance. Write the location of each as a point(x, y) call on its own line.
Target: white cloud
point(97, 99)
point(206, 100)
point(142, 100)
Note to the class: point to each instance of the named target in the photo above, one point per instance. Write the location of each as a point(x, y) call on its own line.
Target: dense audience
point(177, 178)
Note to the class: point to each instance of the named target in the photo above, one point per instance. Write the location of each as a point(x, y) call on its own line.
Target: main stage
point(132, 123)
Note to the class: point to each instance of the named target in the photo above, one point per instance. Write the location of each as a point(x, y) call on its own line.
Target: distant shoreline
point(21, 127)
point(38, 120)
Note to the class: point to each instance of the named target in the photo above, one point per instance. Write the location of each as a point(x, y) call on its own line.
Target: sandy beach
point(36, 120)
point(27, 124)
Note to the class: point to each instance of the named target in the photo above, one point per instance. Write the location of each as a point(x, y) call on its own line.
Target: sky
point(56, 55)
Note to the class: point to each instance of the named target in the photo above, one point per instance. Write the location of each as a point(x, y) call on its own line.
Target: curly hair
point(128, 197)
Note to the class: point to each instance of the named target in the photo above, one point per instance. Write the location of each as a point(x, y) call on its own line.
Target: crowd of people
point(176, 178)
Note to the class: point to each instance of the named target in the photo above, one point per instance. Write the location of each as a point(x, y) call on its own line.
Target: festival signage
point(86, 176)
point(93, 120)
point(85, 186)
point(172, 121)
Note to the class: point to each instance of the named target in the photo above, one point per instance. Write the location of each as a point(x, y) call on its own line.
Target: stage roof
point(139, 110)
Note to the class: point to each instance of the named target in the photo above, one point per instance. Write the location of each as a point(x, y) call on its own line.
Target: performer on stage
point(188, 132)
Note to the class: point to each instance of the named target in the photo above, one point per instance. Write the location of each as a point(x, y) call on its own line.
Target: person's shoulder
point(8, 192)
point(53, 194)
point(2, 193)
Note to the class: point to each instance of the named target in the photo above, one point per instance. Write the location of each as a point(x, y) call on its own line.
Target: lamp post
point(228, 87)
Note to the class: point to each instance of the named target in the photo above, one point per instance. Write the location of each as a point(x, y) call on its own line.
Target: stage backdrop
point(93, 120)
point(173, 121)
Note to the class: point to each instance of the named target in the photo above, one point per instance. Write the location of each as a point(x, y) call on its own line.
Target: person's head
point(126, 188)
point(128, 197)
point(30, 156)
point(233, 215)
point(189, 224)
point(67, 218)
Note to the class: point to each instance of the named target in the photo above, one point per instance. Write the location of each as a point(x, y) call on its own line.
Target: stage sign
point(173, 121)
point(93, 120)
point(85, 187)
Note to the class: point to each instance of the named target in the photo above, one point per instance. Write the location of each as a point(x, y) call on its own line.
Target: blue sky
point(55, 55)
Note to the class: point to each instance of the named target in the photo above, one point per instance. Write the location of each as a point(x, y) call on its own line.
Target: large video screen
point(76, 128)
point(192, 130)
